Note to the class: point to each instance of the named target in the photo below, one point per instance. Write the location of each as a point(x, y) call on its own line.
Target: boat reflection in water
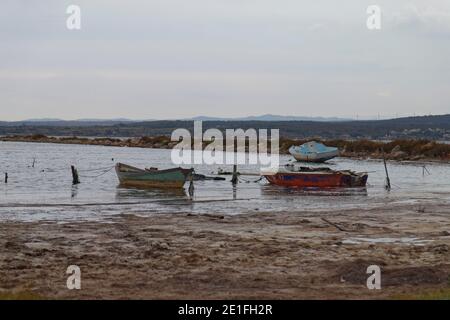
point(277, 191)
point(139, 194)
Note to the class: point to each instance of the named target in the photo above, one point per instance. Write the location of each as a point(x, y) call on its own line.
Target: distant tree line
point(428, 127)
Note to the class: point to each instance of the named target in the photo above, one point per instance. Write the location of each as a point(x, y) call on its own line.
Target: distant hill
point(43, 120)
point(107, 120)
point(62, 123)
point(427, 127)
point(271, 117)
point(89, 121)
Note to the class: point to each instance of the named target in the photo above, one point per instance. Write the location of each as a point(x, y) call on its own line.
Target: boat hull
point(315, 157)
point(134, 177)
point(313, 152)
point(317, 180)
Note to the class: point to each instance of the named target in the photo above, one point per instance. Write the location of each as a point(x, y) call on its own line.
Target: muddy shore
point(297, 255)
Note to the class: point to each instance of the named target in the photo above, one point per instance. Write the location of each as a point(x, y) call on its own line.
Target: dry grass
point(21, 295)
point(397, 150)
point(442, 294)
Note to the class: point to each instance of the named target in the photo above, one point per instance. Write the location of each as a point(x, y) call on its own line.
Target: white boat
point(313, 152)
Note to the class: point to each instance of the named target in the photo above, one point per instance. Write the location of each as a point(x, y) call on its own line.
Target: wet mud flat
point(295, 255)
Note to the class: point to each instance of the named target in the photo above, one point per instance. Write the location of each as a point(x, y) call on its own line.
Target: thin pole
point(388, 181)
point(75, 179)
point(6, 177)
point(424, 169)
point(234, 179)
point(191, 185)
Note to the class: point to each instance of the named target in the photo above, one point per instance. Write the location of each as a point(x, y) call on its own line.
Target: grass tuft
point(20, 295)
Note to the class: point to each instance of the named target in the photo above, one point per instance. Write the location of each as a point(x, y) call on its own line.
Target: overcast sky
point(160, 59)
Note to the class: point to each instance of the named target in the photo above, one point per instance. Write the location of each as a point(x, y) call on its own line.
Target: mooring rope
point(96, 169)
point(250, 181)
point(99, 175)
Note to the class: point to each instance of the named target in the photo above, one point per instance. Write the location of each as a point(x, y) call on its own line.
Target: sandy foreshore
point(297, 255)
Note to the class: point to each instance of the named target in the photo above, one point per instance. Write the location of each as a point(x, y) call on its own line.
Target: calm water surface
point(45, 192)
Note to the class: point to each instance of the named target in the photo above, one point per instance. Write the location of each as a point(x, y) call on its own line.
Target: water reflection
point(33, 194)
point(74, 191)
point(129, 193)
point(278, 191)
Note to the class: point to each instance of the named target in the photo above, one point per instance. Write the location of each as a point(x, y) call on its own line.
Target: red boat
point(316, 178)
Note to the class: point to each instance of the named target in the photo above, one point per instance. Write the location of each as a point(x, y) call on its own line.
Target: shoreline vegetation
point(400, 150)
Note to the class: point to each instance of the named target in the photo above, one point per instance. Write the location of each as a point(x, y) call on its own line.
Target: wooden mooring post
point(388, 181)
point(424, 169)
point(191, 185)
point(6, 177)
point(75, 179)
point(234, 178)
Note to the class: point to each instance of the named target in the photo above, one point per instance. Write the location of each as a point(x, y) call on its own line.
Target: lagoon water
point(45, 191)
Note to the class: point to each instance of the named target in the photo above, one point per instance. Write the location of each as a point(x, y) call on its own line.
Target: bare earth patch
point(259, 255)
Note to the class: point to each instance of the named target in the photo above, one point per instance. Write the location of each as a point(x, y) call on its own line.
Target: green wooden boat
point(152, 178)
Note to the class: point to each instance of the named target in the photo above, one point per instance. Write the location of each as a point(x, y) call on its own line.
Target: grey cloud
point(178, 58)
